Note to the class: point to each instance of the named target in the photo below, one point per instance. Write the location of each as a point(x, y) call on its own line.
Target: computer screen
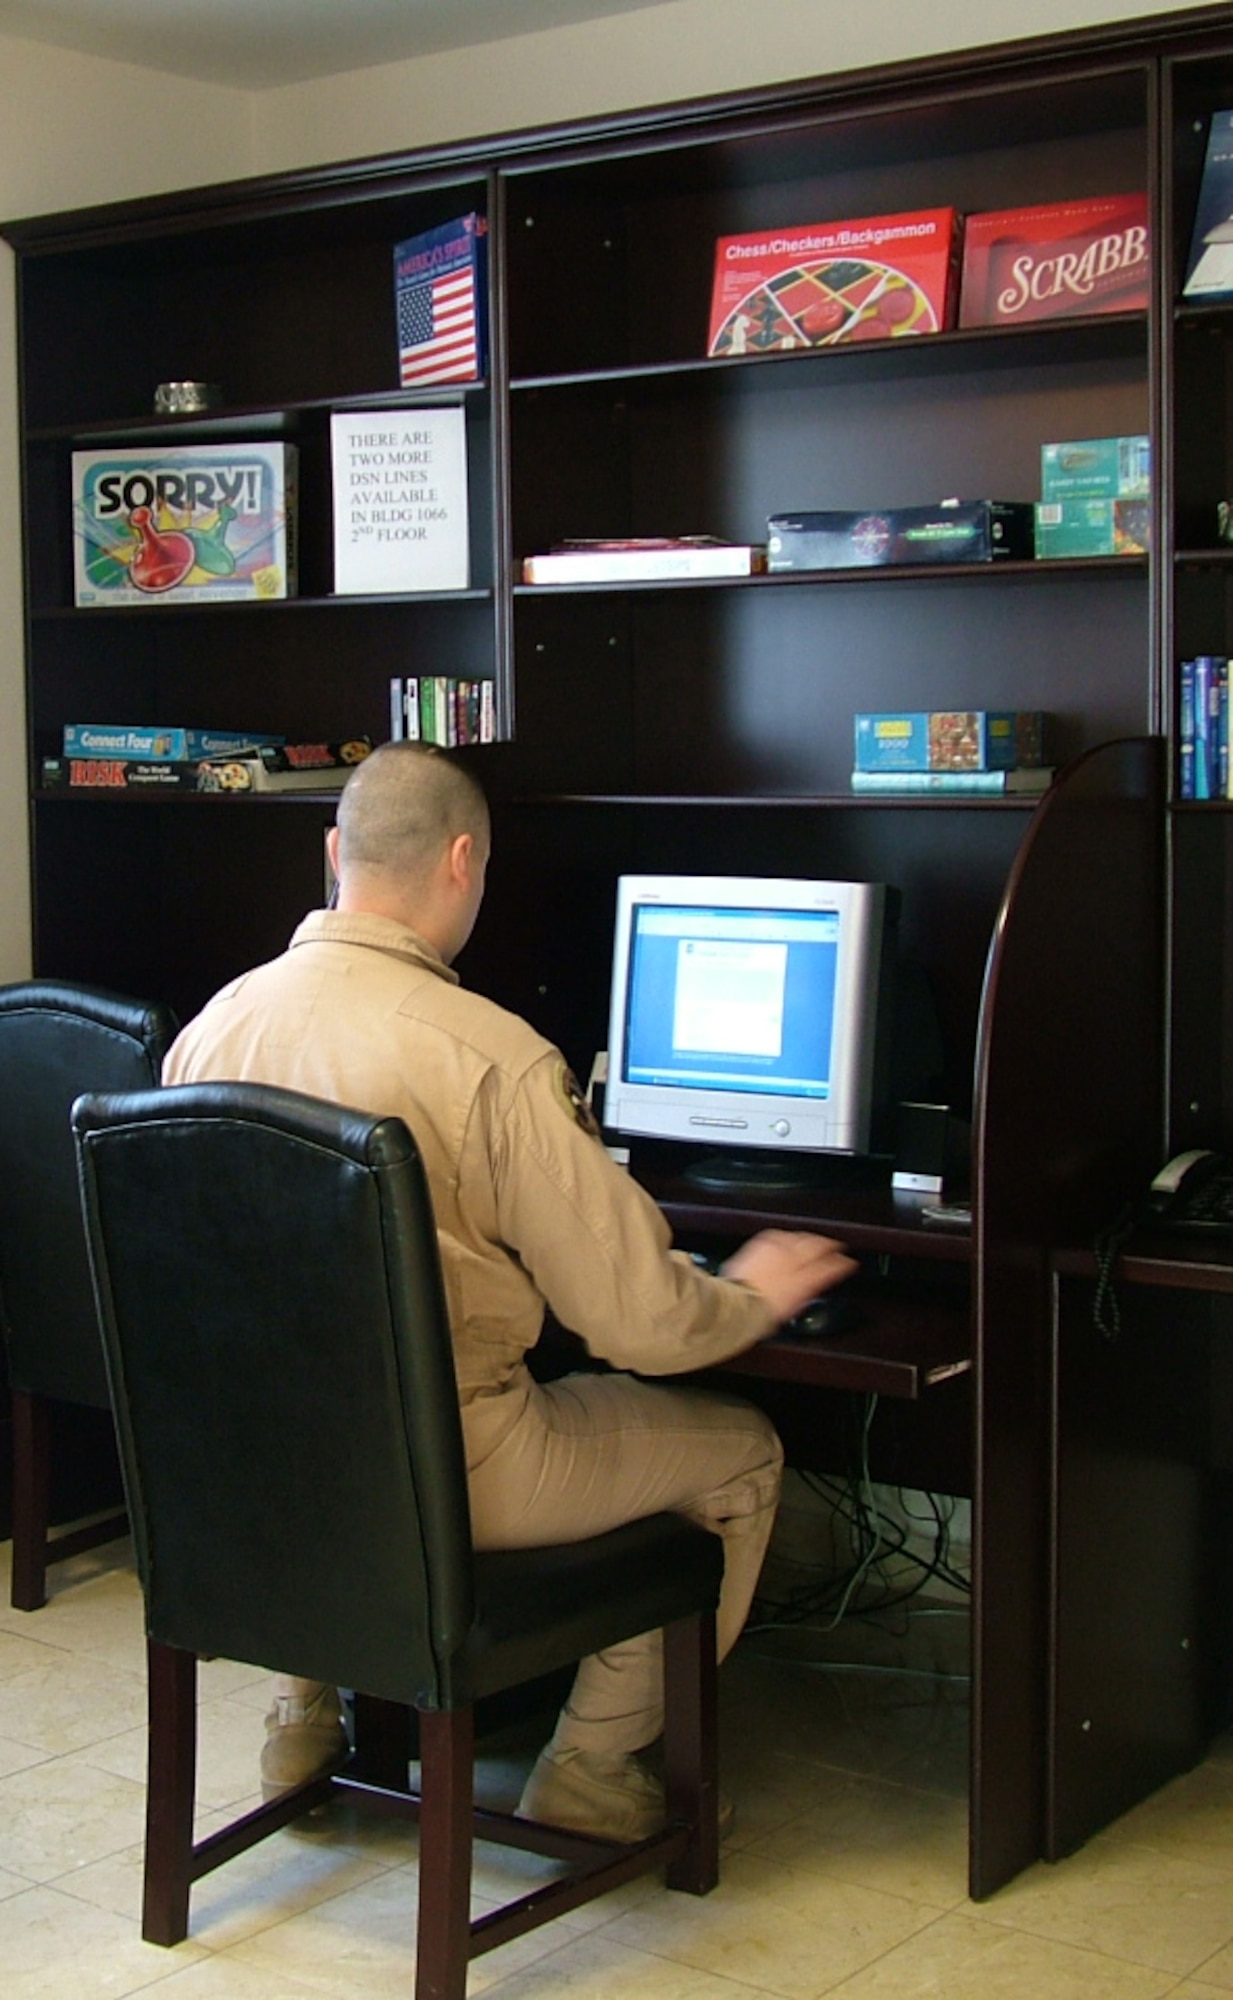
point(749, 1013)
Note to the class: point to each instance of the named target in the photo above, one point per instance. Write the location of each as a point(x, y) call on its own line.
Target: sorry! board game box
point(817, 285)
point(172, 525)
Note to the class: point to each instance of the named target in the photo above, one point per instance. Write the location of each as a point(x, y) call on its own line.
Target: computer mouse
point(824, 1318)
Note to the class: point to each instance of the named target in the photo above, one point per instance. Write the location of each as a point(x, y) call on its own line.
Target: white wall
point(683, 48)
point(75, 130)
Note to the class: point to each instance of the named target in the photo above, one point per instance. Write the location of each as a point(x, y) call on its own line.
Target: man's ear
point(331, 848)
point(462, 860)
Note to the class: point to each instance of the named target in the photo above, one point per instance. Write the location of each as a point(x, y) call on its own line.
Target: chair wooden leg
point(31, 1499)
point(171, 1786)
point(691, 1756)
point(443, 1947)
point(382, 1742)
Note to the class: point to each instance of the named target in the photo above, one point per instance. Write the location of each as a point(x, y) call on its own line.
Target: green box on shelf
point(1092, 527)
point(1110, 468)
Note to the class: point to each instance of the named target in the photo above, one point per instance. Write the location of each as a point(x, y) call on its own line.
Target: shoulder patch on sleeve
point(573, 1100)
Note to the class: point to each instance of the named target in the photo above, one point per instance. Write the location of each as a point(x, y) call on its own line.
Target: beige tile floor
point(844, 1875)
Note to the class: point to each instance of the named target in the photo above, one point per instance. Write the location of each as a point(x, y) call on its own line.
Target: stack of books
point(994, 752)
point(1203, 728)
point(438, 708)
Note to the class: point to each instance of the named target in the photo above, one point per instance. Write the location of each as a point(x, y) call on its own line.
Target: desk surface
point(904, 1343)
point(910, 1335)
point(1172, 1262)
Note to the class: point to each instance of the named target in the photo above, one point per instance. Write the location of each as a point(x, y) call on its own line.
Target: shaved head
point(401, 809)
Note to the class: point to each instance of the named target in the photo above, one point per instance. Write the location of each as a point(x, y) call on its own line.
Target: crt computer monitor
point(749, 1014)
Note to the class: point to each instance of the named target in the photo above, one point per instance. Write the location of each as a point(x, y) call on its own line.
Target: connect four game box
point(205, 522)
point(818, 285)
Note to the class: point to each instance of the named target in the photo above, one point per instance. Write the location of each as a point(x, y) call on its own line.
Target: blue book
point(441, 303)
point(1185, 730)
point(1206, 748)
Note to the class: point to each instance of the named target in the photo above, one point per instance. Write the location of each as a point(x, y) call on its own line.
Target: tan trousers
point(594, 1451)
point(591, 1452)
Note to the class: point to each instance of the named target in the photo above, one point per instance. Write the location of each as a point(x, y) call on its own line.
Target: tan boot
point(614, 1798)
point(304, 1735)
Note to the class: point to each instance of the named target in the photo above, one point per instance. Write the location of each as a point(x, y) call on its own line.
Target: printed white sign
point(400, 500)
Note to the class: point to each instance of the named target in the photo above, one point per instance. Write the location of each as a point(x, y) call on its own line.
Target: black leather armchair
point(270, 1296)
point(56, 1040)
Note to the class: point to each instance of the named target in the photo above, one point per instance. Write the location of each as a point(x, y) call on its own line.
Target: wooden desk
point(908, 1338)
point(1141, 1528)
point(1059, 1142)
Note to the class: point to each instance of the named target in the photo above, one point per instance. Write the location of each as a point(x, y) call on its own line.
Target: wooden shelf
point(1109, 335)
point(859, 576)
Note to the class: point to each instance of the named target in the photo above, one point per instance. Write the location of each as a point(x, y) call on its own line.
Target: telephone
point(1193, 1192)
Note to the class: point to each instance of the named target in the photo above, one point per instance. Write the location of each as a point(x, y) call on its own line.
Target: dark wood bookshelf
point(1072, 947)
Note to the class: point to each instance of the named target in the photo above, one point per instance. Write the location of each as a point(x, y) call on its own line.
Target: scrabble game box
point(179, 524)
point(1056, 260)
point(814, 286)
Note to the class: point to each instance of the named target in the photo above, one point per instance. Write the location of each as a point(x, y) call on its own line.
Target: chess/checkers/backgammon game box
point(877, 278)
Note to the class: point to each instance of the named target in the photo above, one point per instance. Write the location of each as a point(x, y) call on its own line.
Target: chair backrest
point(57, 1040)
point(269, 1292)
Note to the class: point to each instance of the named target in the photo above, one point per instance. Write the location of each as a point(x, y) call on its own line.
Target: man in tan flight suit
point(364, 1009)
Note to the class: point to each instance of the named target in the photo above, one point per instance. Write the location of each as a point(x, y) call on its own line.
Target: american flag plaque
point(440, 295)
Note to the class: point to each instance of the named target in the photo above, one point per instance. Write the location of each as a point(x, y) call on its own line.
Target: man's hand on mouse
point(789, 1267)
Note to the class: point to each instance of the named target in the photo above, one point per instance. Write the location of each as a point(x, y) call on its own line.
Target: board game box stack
point(131, 758)
point(876, 278)
point(184, 524)
point(982, 751)
point(1095, 498)
point(441, 303)
point(1203, 728)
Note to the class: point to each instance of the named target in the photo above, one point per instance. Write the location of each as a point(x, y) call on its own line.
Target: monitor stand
point(752, 1173)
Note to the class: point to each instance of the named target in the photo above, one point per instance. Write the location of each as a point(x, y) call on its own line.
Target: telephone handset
point(1193, 1192)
